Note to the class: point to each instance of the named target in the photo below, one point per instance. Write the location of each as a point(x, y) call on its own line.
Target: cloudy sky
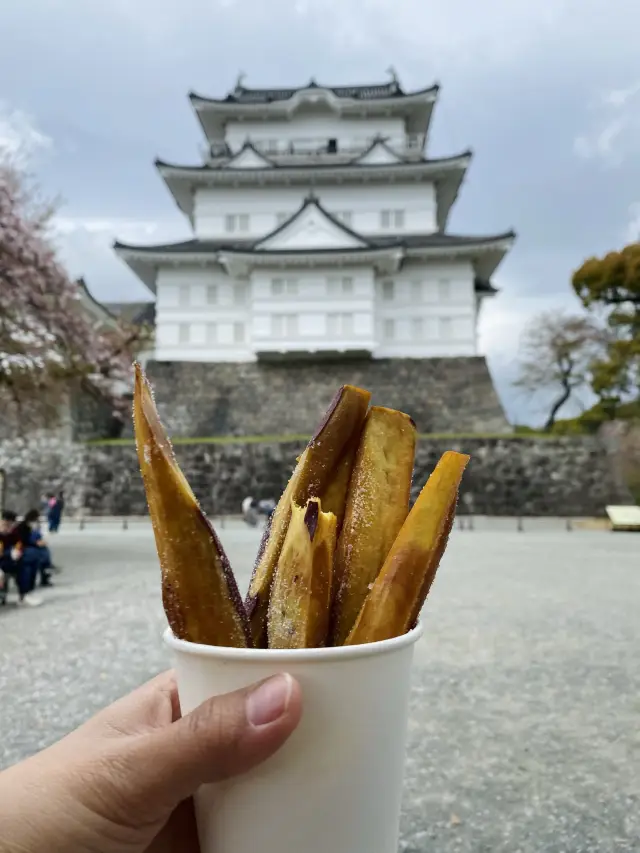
point(546, 93)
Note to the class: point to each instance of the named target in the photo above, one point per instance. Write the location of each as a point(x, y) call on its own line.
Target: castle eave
point(416, 107)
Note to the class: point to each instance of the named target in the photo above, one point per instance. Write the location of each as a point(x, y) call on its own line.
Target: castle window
point(444, 290)
point(212, 333)
point(238, 333)
point(445, 327)
point(183, 295)
point(417, 328)
point(284, 325)
point(344, 216)
point(240, 293)
point(212, 294)
point(291, 287)
point(389, 330)
point(392, 219)
point(281, 217)
point(184, 333)
point(339, 325)
point(236, 222)
point(277, 286)
point(388, 291)
point(347, 286)
point(416, 291)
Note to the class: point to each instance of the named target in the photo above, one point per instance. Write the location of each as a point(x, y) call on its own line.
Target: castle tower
point(320, 228)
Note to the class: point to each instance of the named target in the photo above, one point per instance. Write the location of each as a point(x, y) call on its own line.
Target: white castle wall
point(423, 311)
point(411, 208)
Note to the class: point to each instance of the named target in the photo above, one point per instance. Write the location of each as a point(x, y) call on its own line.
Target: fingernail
point(269, 701)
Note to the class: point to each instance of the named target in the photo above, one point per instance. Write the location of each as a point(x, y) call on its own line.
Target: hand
point(122, 783)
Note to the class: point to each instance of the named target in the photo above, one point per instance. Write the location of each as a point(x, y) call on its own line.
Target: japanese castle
point(319, 228)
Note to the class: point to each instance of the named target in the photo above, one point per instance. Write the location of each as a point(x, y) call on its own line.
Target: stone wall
point(41, 464)
point(203, 400)
point(529, 477)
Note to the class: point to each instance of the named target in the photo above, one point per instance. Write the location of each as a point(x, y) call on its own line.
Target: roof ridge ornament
point(395, 82)
point(239, 87)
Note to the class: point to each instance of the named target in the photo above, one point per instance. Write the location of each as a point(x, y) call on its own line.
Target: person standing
point(54, 514)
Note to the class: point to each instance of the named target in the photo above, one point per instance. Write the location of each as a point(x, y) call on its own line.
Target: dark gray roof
point(408, 241)
point(388, 241)
point(372, 92)
point(315, 167)
point(136, 313)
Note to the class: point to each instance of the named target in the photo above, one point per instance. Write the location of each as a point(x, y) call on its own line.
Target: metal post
point(461, 523)
point(520, 525)
point(125, 524)
point(569, 525)
point(82, 523)
point(470, 524)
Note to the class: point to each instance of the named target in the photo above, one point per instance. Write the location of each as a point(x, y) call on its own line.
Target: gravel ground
point(525, 720)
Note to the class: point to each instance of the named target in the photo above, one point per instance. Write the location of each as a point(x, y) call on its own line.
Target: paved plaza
point(525, 715)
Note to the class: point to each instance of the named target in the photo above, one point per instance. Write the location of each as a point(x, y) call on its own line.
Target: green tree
point(609, 287)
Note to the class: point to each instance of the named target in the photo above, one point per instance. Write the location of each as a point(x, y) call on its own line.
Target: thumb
point(223, 737)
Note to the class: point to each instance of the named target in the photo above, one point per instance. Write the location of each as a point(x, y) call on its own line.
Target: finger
point(151, 705)
point(223, 737)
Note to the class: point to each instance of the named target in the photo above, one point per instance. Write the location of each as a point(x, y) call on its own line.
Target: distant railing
point(319, 148)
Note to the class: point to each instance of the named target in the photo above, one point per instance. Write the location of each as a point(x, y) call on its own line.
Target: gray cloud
point(546, 94)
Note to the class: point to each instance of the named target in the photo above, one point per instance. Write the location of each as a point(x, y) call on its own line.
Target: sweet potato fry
point(312, 473)
point(334, 496)
point(300, 598)
point(394, 603)
point(199, 591)
point(377, 506)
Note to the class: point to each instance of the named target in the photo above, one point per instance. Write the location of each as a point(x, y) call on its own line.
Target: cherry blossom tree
point(50, 345)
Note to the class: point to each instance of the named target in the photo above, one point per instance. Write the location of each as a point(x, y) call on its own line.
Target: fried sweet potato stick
point(334, 496)
point(377, 506)
point(199, 591)
point(300, 600)
point(398, 593)
point(311, 475)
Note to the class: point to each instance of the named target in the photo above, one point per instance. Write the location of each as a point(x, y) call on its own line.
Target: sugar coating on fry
point(301, 595)
point(399, 592)
point(199, 592)
point(376, 508)
point(311, 475)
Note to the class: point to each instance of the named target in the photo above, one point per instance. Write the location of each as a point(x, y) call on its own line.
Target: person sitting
point(7, 568)
point(12, 538)
point(33, 548)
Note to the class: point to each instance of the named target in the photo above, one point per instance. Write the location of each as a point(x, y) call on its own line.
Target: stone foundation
point(506, 476)
point(277, 399)
point(529, 477)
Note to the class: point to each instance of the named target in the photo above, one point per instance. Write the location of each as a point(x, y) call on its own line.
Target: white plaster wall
point(265, 207)
point(183, 302)
point(432, 311)
point(315, 127)
point(316, 298)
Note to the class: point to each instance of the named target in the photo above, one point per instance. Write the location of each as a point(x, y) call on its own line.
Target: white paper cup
point(336, 785)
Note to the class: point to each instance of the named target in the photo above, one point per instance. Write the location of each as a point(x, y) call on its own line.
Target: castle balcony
point(312, 150)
